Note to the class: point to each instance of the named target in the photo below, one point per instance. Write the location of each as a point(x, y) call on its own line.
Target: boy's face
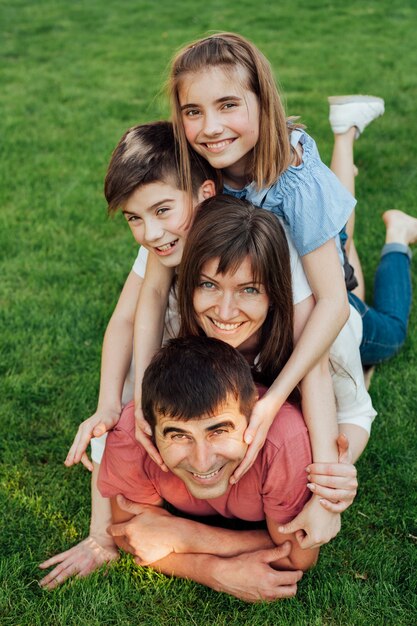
point(158, 216)
point(203, 452)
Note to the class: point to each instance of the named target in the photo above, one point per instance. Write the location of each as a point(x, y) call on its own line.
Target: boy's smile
point(158, 216)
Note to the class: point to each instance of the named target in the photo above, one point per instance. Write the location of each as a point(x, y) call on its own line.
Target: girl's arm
point(315, 327)
point(115, 362)
point(148, 333)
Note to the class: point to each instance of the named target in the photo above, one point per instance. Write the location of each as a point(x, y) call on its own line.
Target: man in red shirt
point(197, 396)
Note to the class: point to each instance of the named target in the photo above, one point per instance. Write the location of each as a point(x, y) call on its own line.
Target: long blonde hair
point(272, 153)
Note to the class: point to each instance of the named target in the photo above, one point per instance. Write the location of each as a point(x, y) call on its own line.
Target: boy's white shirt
point(353, 403)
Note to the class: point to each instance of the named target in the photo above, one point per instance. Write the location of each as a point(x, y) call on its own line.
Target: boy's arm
point(115, 362)
point(148, 333)
point(88, 555)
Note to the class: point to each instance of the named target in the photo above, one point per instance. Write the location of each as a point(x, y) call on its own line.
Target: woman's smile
point(231, 306)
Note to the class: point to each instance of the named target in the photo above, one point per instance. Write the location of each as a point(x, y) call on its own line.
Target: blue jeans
point(385, 324)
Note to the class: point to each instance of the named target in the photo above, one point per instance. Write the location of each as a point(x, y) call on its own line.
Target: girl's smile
point(221, 120)
point(231, 307)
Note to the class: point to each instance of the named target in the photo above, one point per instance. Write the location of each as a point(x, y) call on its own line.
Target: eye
point(253, 291)
point(179, 437)
point(162, 210)
point(219, 431)
point(191, 112)
point(229, 105)
point(206, 284)
point(132, 218)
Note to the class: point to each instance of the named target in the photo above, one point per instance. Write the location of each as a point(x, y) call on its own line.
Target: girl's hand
point(143, 434)
point(262, 416)
point(314, 526)
point(80, 560)
point(95, 426)
point(335, 483)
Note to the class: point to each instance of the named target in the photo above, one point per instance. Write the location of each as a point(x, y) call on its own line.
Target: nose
point(212, 124)
point(203, 457)
point(226, 307)
point(153, 231)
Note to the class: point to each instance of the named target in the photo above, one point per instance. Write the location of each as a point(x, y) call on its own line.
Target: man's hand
point(80, 560)
point(95, 426)
point(314, 526)
point(335, 483)
point(262, 416)
point(143, 434)
point(151, 534)
point(251, 577)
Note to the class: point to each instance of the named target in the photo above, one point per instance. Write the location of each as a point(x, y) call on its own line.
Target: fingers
point(334, 507)
point(343, 446)
point(291, 527)
point(141, 422)
point(79, 446)
point(54, 559)
point(333, 495)
point(332, 469)
point(128, 505)
point(278, 552)
point(86, 462)
point(59, 575)
point(145, 441)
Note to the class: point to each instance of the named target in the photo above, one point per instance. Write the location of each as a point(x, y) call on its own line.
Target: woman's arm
point(115, 361)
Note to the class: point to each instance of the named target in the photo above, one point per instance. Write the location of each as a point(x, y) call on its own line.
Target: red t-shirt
point(274, 487)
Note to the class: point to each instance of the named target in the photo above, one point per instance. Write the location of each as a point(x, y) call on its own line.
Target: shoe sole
point(354, 98)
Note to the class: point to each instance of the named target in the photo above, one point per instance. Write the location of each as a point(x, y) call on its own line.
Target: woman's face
point(230, 307)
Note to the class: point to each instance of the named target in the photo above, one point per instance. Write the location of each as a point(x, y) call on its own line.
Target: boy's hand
point(80, 560)
point(143, 434)
point(262, 416)
point(314, 526)
point(94, 426)
point(335, 483)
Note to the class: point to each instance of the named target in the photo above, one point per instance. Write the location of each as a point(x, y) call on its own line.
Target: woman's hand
point(335, 483)
point(143, 434)
point(80, 560)
point(95, 426)
point(262, 416)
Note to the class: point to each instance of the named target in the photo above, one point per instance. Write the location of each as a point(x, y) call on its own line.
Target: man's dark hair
point(148, 153)
point(193, 377)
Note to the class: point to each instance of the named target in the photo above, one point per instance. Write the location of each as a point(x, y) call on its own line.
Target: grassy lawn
point(73, 76)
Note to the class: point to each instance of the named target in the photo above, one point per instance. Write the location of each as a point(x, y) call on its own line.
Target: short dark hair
point(148, 153)
point(192, 377)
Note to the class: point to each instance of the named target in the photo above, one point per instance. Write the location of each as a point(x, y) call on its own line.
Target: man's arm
point(248, 576)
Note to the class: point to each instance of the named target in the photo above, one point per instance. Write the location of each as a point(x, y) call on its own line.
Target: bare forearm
point(200, 538)
point(115, 362)
point(319, 411)
point(101, 515)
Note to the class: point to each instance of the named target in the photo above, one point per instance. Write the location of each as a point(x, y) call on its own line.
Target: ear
point(206, 190)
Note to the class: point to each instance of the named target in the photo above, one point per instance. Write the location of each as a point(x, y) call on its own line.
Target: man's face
point(158, 216)
point(203, 452)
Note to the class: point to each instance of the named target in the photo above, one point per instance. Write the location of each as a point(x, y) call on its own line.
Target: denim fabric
point(385, 324)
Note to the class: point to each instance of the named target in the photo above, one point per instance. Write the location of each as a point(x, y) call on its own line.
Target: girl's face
point(230, 307)
point(221, 119)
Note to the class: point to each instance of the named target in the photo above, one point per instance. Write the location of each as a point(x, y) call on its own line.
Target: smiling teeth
point(206, 476)
point(226, 326)
point(220, 144)
point(166, 247)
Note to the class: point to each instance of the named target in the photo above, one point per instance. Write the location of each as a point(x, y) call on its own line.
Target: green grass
point(74, 76)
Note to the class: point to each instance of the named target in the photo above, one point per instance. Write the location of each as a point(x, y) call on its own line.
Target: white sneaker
point(358, 111)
